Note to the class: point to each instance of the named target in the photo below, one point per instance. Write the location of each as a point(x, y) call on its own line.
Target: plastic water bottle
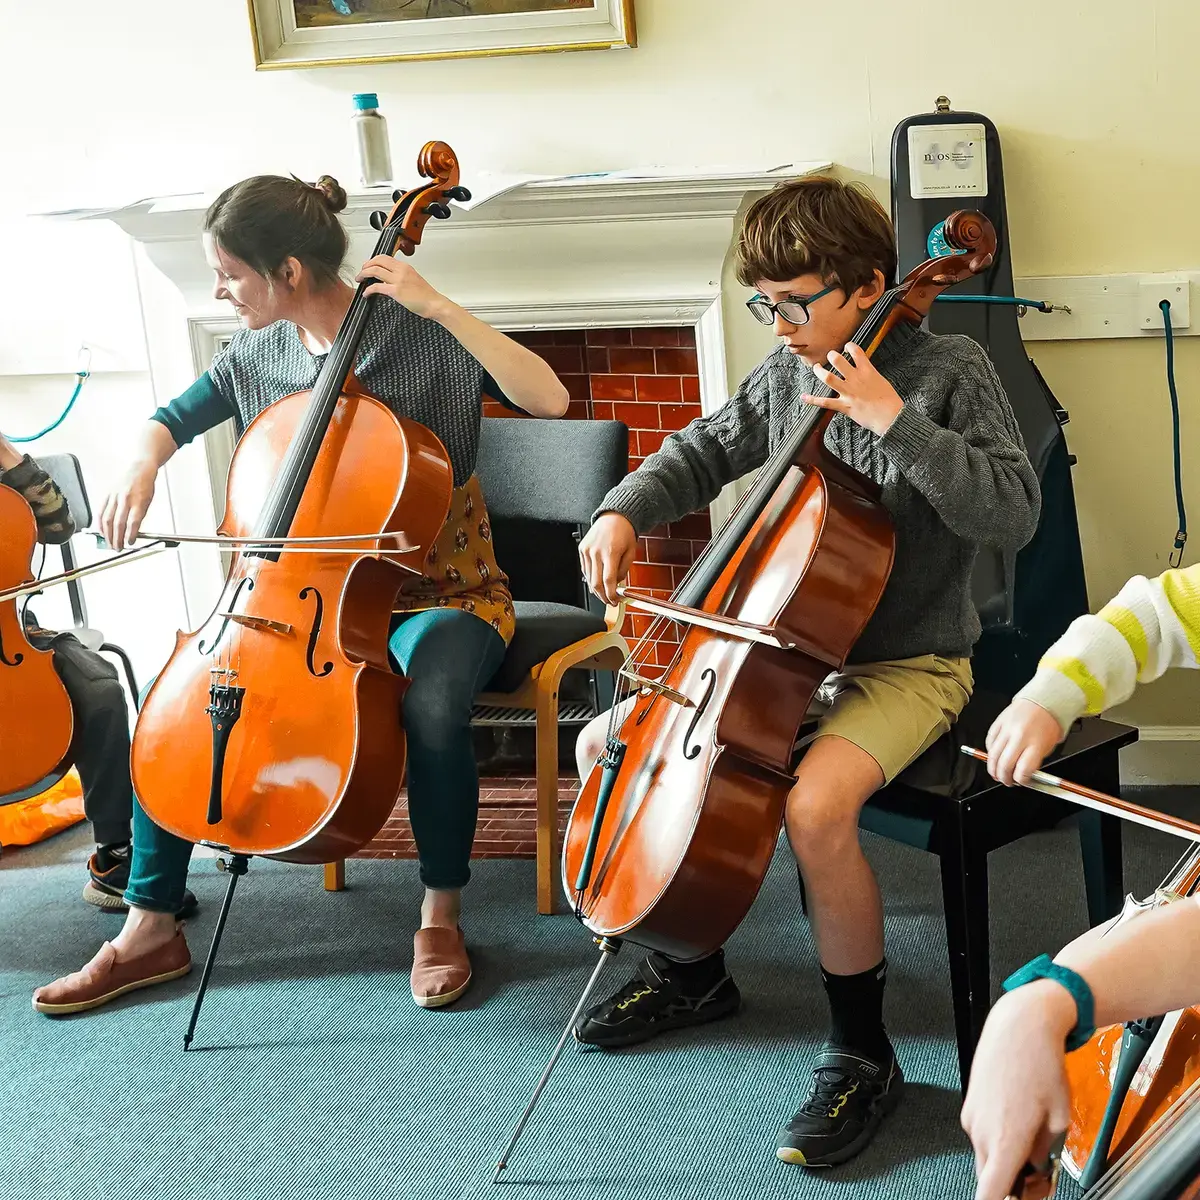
point(374, 156)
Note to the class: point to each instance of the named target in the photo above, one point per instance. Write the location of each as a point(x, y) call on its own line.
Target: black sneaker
point(850, 1096)
point(108, 877)
point(653, 1002)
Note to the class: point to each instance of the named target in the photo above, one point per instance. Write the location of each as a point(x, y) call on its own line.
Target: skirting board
point(1163, 754)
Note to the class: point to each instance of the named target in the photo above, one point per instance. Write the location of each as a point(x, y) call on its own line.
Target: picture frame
point(316, 33)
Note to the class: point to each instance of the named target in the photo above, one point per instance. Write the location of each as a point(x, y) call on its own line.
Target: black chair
point(945, 802)
point(65, 470)
point(542, 481)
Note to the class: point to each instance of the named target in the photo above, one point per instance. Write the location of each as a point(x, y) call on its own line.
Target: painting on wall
point(313, 33)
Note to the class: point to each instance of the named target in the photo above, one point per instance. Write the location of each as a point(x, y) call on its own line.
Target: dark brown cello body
point(275, 729)
point(702, 823)
point(36, 721)
point(674, 829)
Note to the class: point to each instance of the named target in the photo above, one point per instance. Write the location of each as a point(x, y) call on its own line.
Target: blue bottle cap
point(364, 100)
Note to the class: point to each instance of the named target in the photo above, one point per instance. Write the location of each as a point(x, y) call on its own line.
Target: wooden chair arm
point(610, 645)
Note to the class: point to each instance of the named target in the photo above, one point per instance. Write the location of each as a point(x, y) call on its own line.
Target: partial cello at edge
point(1118, 1102)
point(35, 711)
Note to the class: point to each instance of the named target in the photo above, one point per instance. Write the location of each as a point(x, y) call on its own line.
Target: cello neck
point(809, 424)
point(279, 510)
point(399, 230)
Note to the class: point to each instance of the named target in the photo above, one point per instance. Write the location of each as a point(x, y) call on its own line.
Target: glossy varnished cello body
point(275, 729)
point(36, 721)
point(700, 800)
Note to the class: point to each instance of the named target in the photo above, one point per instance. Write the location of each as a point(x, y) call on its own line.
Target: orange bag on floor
point(40, 817)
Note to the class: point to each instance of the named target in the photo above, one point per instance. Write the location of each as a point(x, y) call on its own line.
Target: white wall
point(1096, 103)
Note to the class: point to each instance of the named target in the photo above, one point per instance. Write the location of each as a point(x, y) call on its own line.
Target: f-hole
point(711, 676)
point(9, 662)
point(314, 633)
point(248, 584)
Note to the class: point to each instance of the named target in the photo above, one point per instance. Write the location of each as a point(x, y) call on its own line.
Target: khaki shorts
point(893, 710)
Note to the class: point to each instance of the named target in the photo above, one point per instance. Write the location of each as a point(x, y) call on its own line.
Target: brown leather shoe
point(441, 969)
point(104, 979)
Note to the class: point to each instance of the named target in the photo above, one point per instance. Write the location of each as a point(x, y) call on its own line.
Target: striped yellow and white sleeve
point(1148, 627)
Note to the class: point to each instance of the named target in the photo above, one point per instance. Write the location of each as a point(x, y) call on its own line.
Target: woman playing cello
point(276, 248)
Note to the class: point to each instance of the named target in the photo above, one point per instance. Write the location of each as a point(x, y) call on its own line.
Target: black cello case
point(1024, 601)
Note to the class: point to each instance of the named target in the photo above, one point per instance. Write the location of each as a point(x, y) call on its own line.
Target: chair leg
point(547, 798)
point(1100, 844)
point(965, 895)
point(335, 875)
point(130, 678)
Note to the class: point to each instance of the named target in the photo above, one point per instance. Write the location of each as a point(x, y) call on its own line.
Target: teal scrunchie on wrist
point(1044, 967)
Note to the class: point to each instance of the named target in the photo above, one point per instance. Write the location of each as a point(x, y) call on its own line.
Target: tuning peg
point(461, 194)
point(378, 220)
point(396, 196)
point(440, 211)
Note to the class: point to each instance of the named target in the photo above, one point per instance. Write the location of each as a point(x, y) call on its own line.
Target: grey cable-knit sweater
point(953, 469)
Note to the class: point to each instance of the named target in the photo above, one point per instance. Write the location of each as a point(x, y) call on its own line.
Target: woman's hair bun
point(334, 193)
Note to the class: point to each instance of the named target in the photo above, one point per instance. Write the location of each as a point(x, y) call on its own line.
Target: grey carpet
point(315, 1075)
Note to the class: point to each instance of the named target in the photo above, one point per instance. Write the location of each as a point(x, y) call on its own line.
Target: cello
point(36, 719)
point(1133, 1086)
point(274, 729)
point(1127, 1078)
point(675, 826)
point(1165, 1163)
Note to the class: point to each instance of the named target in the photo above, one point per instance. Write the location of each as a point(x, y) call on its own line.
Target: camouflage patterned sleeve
point(55, 524)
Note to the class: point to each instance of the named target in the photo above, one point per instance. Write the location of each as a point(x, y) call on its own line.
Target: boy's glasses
point(793, 309)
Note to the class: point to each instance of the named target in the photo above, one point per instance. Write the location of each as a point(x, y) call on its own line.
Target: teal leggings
point(449, 655)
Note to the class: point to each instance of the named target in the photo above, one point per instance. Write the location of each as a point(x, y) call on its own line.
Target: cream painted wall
point(1096, 102)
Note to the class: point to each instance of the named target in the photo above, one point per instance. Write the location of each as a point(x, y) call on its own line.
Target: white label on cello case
point(947, 160)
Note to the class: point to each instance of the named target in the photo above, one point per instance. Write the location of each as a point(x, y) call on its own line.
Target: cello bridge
point(652, 685)
point(260, 623)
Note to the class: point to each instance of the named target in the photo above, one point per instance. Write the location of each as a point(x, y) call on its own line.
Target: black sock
point(856, 1012)
point(695, 978)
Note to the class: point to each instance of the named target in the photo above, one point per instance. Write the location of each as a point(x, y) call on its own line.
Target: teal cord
point(82, 375)
point(1040, 305)
point(1181, 536)
point(81, 378)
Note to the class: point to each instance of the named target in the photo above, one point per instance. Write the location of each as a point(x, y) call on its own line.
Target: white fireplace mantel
point(577, 252)
point(541, 254)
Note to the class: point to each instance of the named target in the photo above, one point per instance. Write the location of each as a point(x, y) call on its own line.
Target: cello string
point(876, 314)
point(317, 418)
point(1120, 1170)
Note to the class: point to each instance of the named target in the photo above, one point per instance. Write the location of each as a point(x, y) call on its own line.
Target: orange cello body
point(36, 721)
point(1169, 1071)
point(313, 765)
point(690, 835)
